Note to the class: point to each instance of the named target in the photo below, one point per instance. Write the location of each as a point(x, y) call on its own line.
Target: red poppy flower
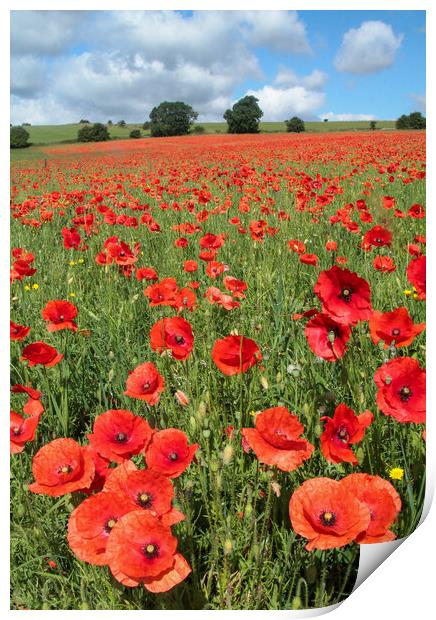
point(185, 299)
point(388, 202)
point(141, 549)
point(416, 211)
point(118, 434)
point(146, 383)
point(331, 246)
point(235, 286)
point(60, 315)
point(214, 269)
point(169, 452)
point(71, 238)
point(309, 259)
point(394, 328)
point(145, 489)
point(297, 246)
point(60, 467)
point(211, 241)
point(326, 338)
point(324, 512)
point(344, 429)
point(23, 268)
point(235, 354)
point(377, 237)
point(26, 389)
point(384, 264)
point(401, 394)
point(383, 502)
point(22, 431)
point(276, 440)
point(344, 296)
point(190, 266)
point(174, 334)
point(91, 523)
point(18, 332)
point(162, 293)
point(41, 353)
point(416, 274)
point(146, 273)
point(215, 296)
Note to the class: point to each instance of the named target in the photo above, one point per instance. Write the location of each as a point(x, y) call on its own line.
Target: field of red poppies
point(217, 368)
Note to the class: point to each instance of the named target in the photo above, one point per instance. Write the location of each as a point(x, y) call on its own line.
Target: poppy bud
point(306, 409)
point(206, 433)
point(192, 423)
point(228, 547)
point(202, 409)
point(228, 454)
point(279, 377)
point(264, 383)
point(110, 375)
point(214, 465)
point(182, 398)
point(248, 510)
point(111, 355)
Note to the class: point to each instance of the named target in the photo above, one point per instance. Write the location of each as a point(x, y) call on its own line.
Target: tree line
point(176, 118)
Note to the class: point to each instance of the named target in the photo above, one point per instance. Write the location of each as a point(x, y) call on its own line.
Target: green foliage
point(121, 123)
point(244, 117)
point(372, 125)
point(198, 129)
point(93, 133)
point(19, 137)
point(415, 120)
point(146, 126)
point(295, 125)
point(83, 121)
point(135, 133)
point(171, 118)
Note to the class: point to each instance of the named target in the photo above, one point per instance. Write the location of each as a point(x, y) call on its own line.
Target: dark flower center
point(328, 518)
point(17, 430)
point(405, 393)
point(173, 456)
point(110, 524)
point(150, 551)
point(379, 240)
point(65, 469)
point(121, 437)
point(346, 294)
point(144, 499)
point(16, 330)
point(61, 317)
point(343, 434)
point(122, 253)
point(146, 385)
point(180, 339)
point(395, 332)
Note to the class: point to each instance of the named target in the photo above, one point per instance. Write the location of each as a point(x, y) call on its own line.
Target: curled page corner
point(371, 556)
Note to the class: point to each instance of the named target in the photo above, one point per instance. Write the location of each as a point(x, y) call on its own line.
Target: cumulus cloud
point(346, 117)
point(368, 49)
point(120, 64)
point(314, 81)
point(419, 102)
point(276, 30)
point(282, 103)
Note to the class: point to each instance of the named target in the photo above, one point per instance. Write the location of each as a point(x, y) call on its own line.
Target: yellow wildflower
point(35, 286)
point(396, 473)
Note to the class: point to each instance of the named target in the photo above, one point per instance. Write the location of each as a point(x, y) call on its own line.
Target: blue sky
point(111, 65)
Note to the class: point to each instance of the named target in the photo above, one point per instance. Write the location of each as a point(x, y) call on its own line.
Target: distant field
point(45, 135)
point(52, 134)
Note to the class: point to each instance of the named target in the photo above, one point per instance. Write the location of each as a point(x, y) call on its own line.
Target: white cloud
point(419, 102)
point(45, 32)
point(346, 117)
point(314, 81)
point(368, 49)
point(28, 76)
point(283, 103)
point(277, 30)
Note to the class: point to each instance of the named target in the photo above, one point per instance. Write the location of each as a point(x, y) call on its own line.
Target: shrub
point(19, 137)
point(372, 125)
point(146, 126)
point(93, 133)
point(83, 122)
point(135, 133)
point(244, 117)
point(198, 129)
point(171, 118)
point(121, 123)
point(295, 125)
